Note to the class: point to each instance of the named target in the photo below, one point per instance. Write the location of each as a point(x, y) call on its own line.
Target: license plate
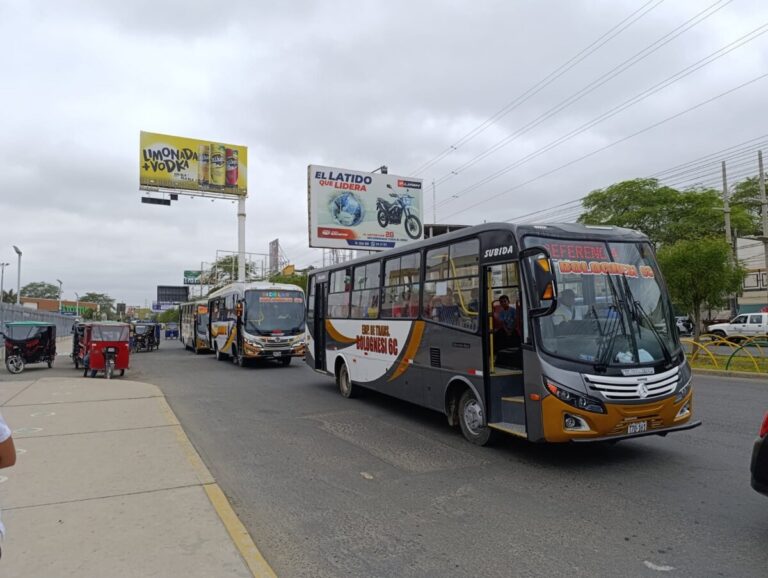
point(277, 354)
point(637, 427)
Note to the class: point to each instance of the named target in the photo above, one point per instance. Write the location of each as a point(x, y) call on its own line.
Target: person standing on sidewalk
point(7, 457)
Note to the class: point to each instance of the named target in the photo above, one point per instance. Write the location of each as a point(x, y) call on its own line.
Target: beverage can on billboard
point(190, 166)
point(203, 164)
point(218, 165)
point(231, 159)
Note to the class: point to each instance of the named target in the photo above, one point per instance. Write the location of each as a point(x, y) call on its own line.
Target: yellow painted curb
point(240, 536)
point(256, 563)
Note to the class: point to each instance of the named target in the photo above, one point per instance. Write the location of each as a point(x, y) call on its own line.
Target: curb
point(724, 373)
point(238, 533)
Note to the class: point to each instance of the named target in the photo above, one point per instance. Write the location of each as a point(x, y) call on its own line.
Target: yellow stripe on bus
point(335, 335)
point(410, 350)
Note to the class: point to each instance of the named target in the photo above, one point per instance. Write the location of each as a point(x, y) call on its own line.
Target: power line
point(749, 37)
point(619, 141)
point(543, 83)
point(576, 203)
point(593, 85)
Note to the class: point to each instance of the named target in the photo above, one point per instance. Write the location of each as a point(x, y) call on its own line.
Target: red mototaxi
point(100, 341)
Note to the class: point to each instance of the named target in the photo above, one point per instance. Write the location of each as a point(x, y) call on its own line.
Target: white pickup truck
point(744, 325)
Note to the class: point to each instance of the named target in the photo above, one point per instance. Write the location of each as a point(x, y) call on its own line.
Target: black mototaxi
point(29, 342)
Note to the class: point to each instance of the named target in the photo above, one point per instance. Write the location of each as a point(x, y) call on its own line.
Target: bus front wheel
point(471, 420)
point(345, 382)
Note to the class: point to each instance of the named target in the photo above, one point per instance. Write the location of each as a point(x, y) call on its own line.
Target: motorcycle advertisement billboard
point(192, 166)
point(361, 210)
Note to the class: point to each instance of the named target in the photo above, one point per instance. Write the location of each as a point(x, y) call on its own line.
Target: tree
point(300, 280)
point(105, 302)
point(224, 271)
point(700, 273)
point(169, 315)
point(9, 296)
point(746, 195)
point(665, 214)
point(41, 290)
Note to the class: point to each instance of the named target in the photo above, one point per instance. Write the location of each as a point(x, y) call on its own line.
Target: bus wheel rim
point(473, 417)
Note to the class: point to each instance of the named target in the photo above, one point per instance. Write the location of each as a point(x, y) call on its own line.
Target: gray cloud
point(344, 83)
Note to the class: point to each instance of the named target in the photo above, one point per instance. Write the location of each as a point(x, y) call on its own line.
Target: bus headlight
point(681, 395)
point(577, 400)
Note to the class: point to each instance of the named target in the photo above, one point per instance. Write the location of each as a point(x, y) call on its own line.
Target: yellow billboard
point(191, 165)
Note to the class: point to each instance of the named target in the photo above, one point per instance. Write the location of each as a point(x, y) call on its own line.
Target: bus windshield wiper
point(610, 335)
point(639, 308)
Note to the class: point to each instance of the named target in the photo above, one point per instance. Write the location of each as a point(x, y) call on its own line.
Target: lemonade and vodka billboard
point(192, 165)
point(361, 210)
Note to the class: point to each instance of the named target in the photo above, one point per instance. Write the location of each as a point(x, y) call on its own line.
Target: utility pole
point(764, 205)
point(2, 279)
point(728, 237)
point(434, 203)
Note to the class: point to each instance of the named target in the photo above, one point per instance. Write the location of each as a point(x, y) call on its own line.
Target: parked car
point(684, 324)
point(744, 325)
point(760, 460)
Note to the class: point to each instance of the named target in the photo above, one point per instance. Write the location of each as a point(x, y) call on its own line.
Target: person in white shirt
point(7, 456)
point(565, 307)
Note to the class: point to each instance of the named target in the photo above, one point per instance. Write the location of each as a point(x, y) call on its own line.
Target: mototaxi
point(104, 347)
point(29, 342)
point(146, 336)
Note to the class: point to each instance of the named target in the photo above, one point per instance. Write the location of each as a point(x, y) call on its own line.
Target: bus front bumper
point(252, 352)
point(620, 421)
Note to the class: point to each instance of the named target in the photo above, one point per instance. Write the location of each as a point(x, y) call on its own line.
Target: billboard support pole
point(241, 239)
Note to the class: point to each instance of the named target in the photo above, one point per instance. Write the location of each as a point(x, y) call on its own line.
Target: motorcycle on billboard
point(357, 210)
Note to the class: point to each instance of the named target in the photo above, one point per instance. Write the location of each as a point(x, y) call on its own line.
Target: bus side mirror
point(542, 283)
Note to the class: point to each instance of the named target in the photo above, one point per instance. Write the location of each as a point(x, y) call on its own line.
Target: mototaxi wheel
point(413, 226)
point(382, 218)
point(94, 372)
point(14, 364)
point(285, 361)
point(122, 372)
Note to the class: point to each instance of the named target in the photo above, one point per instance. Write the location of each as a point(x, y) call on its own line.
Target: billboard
point(193, 277)
point(172, 294)
point(191, 165)
point(361, 210)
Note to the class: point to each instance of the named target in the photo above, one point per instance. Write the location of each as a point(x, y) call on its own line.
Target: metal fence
point(10, 313)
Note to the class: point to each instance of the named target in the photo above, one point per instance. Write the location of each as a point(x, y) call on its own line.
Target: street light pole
point(2, 279)
point(77, 305)
point(18, 277)
point(60, 284)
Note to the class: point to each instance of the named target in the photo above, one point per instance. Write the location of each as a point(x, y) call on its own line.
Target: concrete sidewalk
point(107, 484)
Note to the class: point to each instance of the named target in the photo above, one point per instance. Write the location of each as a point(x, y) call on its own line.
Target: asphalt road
point(376, 487)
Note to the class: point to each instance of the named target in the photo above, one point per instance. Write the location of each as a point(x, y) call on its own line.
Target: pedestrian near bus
point(7, 457)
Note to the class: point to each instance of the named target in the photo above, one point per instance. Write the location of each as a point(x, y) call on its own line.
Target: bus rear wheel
point(471, 420)
point(345, 382)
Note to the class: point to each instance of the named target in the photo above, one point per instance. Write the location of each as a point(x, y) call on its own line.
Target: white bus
point(193, 319)
point(553, 333)
point(257, 321)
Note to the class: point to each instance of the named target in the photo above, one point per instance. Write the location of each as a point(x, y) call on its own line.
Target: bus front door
point(321, 308)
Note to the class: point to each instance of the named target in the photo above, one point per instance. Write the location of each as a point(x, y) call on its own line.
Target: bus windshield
point(612, 309)
point(268, 312)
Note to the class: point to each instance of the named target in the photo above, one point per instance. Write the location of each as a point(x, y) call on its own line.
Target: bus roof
point(241, 288)
point(555, 230)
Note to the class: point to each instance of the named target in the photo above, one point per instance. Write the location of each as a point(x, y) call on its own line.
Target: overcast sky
point(349, 84)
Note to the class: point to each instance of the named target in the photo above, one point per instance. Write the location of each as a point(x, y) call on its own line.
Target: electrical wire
point(745, 39)
point(616, 142)
point(591, 86)
point(543, 83)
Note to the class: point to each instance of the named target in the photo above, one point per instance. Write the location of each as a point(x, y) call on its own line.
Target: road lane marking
point(658, 568)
